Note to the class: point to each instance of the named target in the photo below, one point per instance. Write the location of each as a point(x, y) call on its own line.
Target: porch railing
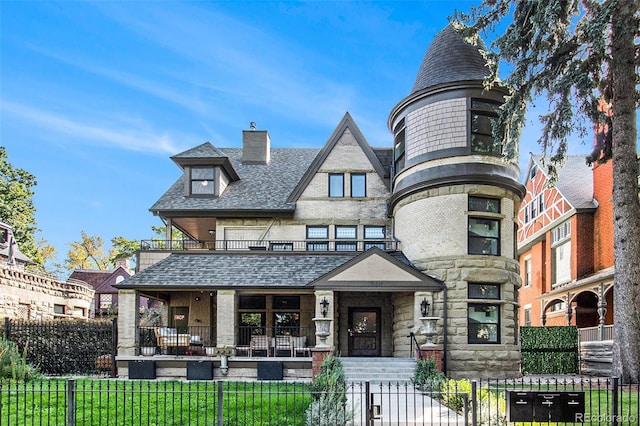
point(302, 338)
point(189, 340)
point(269, 245)
point(595, 334)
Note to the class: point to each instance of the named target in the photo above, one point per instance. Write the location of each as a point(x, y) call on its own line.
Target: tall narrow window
point(527, 272)
point(358, 185)
point(484, 230)
point(483, 113)
point(399, 147)
point(336, 185)
point(202, 181)
point(483, 317)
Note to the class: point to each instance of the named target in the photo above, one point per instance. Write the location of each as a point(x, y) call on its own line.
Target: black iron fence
point(62, 347)
point(603, 401)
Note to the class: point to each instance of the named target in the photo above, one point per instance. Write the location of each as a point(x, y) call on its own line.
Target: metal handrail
point(412, 340)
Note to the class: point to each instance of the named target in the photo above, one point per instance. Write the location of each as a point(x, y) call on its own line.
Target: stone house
point(376, 244)
point(28, 294)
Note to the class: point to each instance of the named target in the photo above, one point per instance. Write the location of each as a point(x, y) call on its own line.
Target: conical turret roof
point(449, 59)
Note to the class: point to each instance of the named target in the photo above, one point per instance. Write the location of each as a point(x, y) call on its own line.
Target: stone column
point(331, 310)
point(128, 322)
point(226, 318)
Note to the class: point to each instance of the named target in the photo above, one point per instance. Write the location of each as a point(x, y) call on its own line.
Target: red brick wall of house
point(603, 219)
point(582, 245)
point(526, 295)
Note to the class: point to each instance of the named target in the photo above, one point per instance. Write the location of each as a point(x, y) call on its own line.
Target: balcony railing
point(270, 245)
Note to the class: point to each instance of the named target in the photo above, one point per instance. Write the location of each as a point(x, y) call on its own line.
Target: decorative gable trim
point(376, 270)
point(346, 123)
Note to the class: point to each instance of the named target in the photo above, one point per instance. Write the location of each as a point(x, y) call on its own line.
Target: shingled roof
point(246, 270)
point(261, 186)
point(575, 181)
point(450, 59)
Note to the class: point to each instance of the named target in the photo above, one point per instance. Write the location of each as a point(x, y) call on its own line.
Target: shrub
point(491, 407)
point(427, 377)
point(13, 365)
point(329, 391)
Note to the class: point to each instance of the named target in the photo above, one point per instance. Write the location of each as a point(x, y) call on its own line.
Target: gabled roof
point(261, 187)
point(9, 246)
point(346, 123)
point(206, 155)
point(101, 281)
point(575, 180)
point(376, 270)
point(450, 59)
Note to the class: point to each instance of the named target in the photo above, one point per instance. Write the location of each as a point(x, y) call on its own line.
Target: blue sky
point(96, 96)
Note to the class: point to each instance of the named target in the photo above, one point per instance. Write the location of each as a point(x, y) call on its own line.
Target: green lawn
point(119, 402)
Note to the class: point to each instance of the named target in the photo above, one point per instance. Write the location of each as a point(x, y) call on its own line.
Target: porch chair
point(300, 346)
point(283, 344)
point(259, 343)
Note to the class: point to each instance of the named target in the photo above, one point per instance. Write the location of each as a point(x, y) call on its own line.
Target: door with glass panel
point(364, 331)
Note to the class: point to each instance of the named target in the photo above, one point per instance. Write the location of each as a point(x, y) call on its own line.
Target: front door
point(364, 331)
point(180, 318)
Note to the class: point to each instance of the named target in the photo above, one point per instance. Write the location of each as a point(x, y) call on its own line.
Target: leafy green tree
point(577, 53)
point(16, 205)
point(88, 254)
point(124, 248)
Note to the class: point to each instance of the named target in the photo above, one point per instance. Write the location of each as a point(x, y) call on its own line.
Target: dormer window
point(202, 181)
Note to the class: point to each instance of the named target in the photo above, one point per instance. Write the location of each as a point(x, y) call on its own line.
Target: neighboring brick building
point(565, 244)
point(374, 241)
point(106, 295)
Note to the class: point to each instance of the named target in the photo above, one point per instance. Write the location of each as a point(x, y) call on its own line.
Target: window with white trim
point(561, 253)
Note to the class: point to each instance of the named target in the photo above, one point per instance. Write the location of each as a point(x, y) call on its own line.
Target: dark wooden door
point(364, 331)
point(180, 318)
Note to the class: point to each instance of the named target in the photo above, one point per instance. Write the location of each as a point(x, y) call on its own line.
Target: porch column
point(169, 230)
point(128, 322)
point(331, 312)
point(226, 318)
point(602, 311)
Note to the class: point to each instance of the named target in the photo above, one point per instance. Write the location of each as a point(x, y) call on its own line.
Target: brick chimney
point(255, 146)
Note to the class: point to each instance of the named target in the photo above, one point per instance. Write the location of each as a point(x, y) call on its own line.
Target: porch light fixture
point(325, 305)
point(424, 307)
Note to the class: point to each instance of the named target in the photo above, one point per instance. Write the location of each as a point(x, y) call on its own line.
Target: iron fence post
point(71, 402)
point(7, 328)
point(114, 346)
point(614, 402)
point(368, 396)
point(220, 402)
point(474, 403)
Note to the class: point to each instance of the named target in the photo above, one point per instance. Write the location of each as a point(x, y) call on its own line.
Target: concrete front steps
point(378, 370)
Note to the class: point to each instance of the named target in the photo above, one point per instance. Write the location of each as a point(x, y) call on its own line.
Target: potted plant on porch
point(147, 341)
point(209, 348)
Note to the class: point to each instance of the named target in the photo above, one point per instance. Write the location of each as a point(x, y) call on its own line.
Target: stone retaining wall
point(596, 358)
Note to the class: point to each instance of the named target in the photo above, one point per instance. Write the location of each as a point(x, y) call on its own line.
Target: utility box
point(199, 370)
point(142, 369)
point(270, 370)
point(545, 406)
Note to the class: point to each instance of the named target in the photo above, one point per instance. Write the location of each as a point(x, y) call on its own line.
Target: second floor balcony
point(319, 245)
